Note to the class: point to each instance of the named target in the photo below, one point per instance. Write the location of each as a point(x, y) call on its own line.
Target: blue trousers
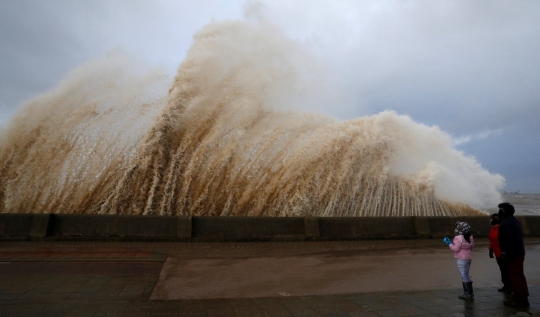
point(464, 266)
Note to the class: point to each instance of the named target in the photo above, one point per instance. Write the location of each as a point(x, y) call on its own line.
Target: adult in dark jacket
point(513, 251)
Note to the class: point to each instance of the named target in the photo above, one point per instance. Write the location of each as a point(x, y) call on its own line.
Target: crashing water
point(111, 140)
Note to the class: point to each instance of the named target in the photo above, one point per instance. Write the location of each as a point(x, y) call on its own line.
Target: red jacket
point(494, 240)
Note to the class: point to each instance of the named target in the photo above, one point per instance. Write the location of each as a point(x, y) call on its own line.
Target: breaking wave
point(110, 139)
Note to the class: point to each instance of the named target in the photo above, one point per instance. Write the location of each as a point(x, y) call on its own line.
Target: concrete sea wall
point(183, 228)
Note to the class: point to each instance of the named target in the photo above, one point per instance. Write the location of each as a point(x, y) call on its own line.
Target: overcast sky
point(470, 67)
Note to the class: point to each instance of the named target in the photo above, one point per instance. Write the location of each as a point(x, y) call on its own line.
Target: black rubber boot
point(471, 292)
point(465, 291)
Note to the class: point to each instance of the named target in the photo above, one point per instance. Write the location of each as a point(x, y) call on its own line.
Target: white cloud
point(478, 136)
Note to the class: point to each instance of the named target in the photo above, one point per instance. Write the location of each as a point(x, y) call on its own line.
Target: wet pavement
point(350, 278)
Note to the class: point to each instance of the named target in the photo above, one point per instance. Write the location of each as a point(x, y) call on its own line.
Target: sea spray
point(64, 151)
point(221, 142)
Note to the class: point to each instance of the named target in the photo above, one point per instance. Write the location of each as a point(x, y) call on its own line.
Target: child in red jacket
point(494, 248)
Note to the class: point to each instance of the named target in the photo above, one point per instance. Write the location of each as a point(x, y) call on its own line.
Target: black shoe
point(505, 289)
point(519, 304)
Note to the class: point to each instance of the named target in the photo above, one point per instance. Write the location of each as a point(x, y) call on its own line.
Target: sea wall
point(184, 228)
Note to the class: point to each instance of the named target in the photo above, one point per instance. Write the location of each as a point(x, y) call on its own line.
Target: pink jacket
point(462, 249)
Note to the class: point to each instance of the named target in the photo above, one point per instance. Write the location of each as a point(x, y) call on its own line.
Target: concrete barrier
point(533, 224)
point(444, 226)
point(366, 227)
point(421, 226)
point(40, 225)
point(125, 226)
point(23, 226)
point(184, 228)
point(312, 229)
point(247, 228)
point(147, 226)
point(82, 225)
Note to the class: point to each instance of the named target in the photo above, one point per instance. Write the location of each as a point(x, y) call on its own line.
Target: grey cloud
point(513, 154)
point(468, 67)
point(43, 40)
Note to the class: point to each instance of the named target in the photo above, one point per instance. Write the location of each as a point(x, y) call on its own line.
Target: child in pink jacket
point(462, 246)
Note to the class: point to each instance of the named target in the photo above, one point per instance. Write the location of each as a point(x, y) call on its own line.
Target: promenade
point(347, 278)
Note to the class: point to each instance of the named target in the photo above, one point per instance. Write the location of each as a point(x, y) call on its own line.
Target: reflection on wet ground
point(351, 278)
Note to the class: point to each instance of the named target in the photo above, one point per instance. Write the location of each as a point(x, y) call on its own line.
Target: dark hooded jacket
point(511, 237)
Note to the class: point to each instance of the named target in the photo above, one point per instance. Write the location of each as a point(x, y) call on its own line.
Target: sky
point(471, 68)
